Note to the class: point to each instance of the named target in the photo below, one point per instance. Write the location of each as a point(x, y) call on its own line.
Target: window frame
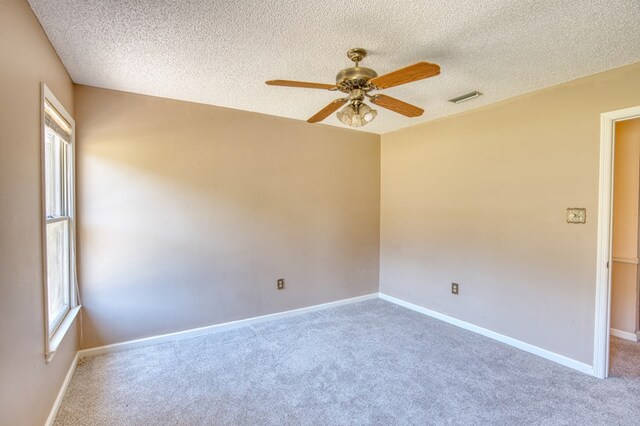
point(54, 335)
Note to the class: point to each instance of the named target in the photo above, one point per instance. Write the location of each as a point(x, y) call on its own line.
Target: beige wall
point(189, 213)
point(624, 284)
point(29, 385)
point(480, 199)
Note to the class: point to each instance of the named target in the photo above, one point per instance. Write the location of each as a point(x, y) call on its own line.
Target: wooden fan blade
point(289, 83)
point(396, 105)
point(326, 111)
point(405, 75)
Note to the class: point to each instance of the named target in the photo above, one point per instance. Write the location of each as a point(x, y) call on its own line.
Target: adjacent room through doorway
point(624, 353)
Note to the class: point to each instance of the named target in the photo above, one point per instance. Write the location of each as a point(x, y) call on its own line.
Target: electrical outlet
point(280, 283)
point(454, 288)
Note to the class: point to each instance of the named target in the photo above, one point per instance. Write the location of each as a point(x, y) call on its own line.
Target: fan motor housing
point(355, 78)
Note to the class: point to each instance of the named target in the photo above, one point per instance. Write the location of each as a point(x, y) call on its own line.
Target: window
point(59, 238)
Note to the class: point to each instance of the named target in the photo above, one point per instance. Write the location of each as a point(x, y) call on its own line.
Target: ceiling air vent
point(466, 97)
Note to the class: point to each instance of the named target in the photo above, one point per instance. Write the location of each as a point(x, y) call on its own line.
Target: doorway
point(623, 347)
point(622, 253)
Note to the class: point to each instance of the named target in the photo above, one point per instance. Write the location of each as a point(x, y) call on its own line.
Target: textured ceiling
point(221, 52)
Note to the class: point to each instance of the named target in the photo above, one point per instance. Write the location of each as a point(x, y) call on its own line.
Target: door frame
point(605, 226)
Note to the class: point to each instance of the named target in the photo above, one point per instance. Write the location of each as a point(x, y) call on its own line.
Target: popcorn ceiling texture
point(221, 52)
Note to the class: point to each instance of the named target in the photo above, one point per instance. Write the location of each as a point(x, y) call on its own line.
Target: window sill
point(56, 339)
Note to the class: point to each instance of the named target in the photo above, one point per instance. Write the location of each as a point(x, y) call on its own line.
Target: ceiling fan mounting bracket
point(357, 54)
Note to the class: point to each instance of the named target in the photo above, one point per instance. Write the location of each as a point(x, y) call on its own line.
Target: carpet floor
point(368, 363)
point(624, 359)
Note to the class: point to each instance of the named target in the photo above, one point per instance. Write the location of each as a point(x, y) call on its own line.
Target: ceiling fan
point(357, 82)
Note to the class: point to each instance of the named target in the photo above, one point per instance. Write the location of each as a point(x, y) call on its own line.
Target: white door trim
point(605, 208)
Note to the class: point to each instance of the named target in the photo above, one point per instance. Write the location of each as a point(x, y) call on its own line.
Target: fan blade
point(396, 105)
point(405, 75)
point(289, 83)
point(326, 111)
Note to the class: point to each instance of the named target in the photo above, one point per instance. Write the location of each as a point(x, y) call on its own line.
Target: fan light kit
point(357, 82)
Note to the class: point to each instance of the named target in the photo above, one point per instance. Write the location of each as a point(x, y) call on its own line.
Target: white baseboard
point(194, 332)
point(63, 389)
point(624, 334)
point(552, 356)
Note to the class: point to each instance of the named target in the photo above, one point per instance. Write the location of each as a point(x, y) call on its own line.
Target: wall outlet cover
point(280, 284)
point(455, 288)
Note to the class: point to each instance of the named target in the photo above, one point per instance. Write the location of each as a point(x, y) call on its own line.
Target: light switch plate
point(576, 215)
